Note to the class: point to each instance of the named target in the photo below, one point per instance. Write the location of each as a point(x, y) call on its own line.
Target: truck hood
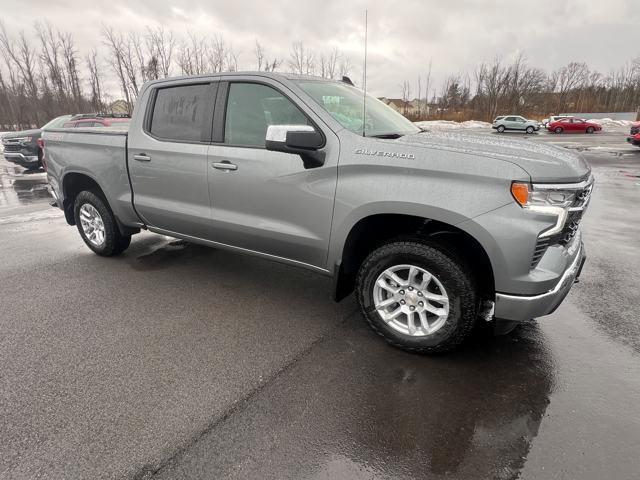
point(23, 133)
point(543, 162)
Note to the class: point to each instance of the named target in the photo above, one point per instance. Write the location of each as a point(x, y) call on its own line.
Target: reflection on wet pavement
point(20, 186)
point(355, 408)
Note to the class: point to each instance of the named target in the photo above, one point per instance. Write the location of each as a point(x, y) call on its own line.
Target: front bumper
point(633, 141)
point(21, 159)
point(526, 307)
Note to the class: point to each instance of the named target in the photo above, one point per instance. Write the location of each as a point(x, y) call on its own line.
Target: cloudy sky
point(404, 35)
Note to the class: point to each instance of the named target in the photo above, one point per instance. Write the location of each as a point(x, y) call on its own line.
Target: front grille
point(12, 147)
point(571, 224)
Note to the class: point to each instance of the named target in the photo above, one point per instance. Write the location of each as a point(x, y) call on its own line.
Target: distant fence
point(632, 116)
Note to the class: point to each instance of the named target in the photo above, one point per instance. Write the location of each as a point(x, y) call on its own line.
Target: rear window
point(179, 112)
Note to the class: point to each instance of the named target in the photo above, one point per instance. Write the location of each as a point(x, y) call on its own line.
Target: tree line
point(43, 75)
point(516, 87)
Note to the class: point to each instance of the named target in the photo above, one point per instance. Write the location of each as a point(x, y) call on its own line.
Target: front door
point(168, 159)
point(266, 201)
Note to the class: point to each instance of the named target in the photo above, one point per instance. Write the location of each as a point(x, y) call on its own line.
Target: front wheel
point(417, 296)
point(558, 130)
point(500, 129)
point(97, 225)
point(530, 130)
point(590, 129)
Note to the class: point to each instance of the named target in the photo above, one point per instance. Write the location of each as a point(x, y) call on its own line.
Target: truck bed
point(100, 153)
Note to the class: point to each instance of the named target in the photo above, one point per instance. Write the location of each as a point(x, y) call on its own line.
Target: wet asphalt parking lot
point(179, 361)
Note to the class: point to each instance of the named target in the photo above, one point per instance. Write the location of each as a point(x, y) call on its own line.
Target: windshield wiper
point(387, 135)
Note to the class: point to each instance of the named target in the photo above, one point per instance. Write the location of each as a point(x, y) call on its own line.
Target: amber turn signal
point(520, 192)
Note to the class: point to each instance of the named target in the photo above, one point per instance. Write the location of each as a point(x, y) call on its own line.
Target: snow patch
point(608, 122)
point(451, 125)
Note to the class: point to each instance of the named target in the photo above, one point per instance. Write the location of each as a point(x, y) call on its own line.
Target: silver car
point(515, 122)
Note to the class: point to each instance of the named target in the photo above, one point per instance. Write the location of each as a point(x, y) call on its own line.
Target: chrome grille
point(12, 147)
point(571, 224)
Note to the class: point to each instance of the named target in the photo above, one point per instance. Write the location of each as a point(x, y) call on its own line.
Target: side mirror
point(302, 140)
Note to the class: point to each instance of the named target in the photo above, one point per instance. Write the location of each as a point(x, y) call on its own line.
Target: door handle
point(226, 166)
point(141, 157)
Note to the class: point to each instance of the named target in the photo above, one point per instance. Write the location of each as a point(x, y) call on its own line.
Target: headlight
point(546, 200)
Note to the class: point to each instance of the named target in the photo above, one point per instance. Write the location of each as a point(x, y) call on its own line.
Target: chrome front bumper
point(526, 307)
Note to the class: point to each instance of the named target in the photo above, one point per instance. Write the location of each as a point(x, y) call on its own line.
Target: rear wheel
point(558, 130)
point(97, 225)
point(590, 129)
point(417, 296)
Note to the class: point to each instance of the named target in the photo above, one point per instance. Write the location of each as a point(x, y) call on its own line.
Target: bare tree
point(21, 56)
point(95, 83)
point(218, 54)
point(406, 96)
point(192, 55)
point(115, 43)
point(568, 78)
point(70, 56)
point(259, 52)
point(345, 67)
point(301, 60)
point(161, 46)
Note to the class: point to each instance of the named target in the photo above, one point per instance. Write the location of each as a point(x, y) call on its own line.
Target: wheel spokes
point(402, 299)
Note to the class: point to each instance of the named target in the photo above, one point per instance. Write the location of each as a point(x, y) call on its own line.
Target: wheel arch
point(371, 231)
point(72, 184)
point(75, 182)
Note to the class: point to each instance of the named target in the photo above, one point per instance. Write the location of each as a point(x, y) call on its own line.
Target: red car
point(634, 139)
point(572, 125)
point(635, 129)
point(90, 120)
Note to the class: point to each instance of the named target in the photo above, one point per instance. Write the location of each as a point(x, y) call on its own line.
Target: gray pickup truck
point(434, 232)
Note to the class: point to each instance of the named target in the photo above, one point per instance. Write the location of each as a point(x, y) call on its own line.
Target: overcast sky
point(403, 35)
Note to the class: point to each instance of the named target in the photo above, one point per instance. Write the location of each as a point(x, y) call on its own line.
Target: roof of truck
point(272, 75)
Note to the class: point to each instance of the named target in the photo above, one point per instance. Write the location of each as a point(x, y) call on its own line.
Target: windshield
point(57, 122)
point(345, 103)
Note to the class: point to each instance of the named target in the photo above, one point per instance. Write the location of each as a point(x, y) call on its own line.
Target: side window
point(510, 119)
point(179, 112)
point(251, 108)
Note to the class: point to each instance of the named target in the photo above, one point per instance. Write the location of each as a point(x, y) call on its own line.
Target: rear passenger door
point(168, 158)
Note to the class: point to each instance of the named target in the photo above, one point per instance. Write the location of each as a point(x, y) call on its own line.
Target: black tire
point(590, 130)
point(530, 130)
point(114, 242)
point(500, 129)
point(453, 274)
point(558, 130)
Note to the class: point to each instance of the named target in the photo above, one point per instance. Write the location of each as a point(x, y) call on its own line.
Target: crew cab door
point(266, 201)
point(167, 156)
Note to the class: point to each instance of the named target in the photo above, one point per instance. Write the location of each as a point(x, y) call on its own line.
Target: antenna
point(364, 80)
